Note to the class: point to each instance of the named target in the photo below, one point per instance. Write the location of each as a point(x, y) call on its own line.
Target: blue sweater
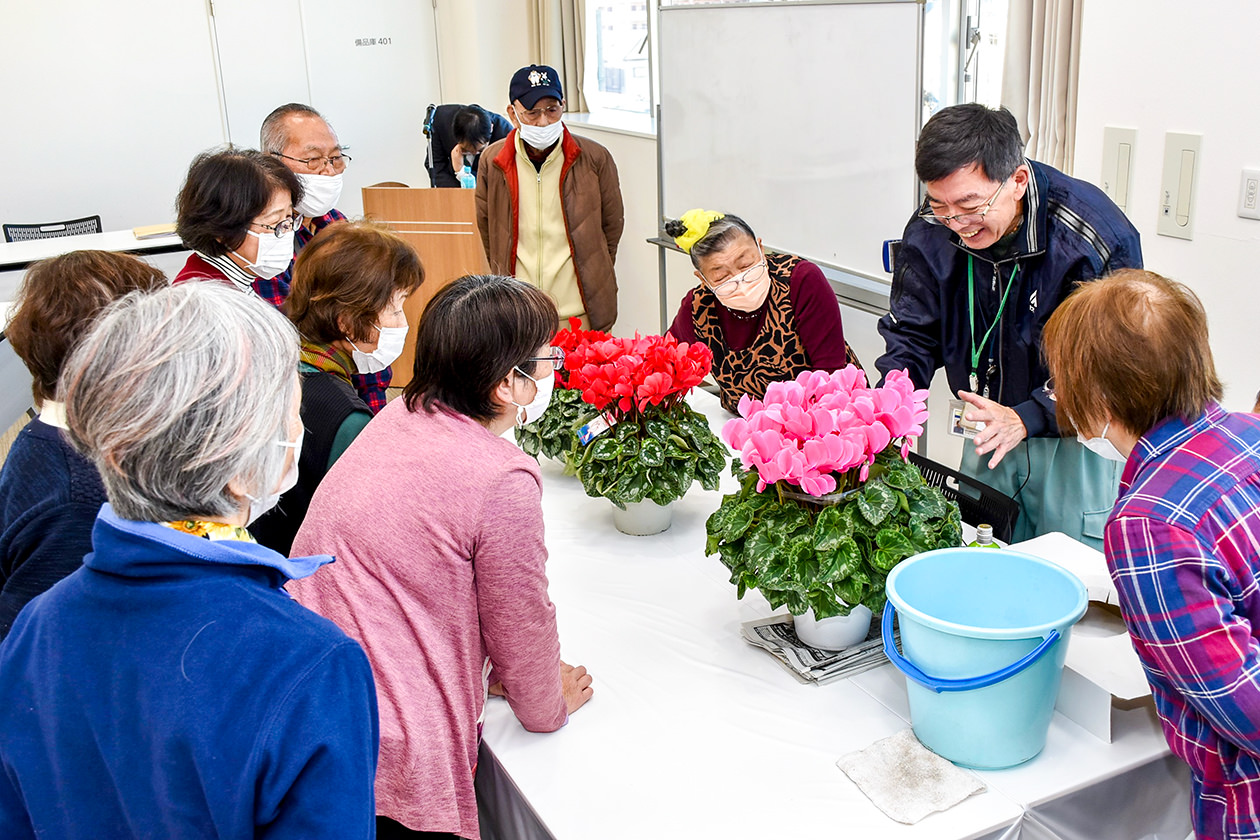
point(49, 496)
point(170, 688)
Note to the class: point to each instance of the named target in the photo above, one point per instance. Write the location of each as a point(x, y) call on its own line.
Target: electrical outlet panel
point(1117, 164)
point(1249, 194)
point(1176, 189)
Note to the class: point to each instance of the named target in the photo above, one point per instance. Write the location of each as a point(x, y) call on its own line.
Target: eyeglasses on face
point(973, 217)
point(751, 274)
point(316, 164)
point(555, 355)
point(552, 112)
point(283, 227)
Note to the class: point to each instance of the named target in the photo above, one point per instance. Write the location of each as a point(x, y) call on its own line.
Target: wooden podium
point(441, 224)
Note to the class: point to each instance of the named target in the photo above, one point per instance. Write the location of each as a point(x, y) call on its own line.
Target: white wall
point(104, 105)
point(1189, 68)
point(481, 43)
point(637, 295)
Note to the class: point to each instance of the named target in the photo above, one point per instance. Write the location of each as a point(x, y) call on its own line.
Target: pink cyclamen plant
point(808, 431)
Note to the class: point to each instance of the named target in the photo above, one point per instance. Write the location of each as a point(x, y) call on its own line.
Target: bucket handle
point(940, 684)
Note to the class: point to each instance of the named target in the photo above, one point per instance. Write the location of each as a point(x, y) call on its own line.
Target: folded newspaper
point(812, 665)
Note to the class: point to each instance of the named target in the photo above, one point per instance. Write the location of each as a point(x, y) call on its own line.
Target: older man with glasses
point(549, 204)
point(998, 244)
point(300, 138)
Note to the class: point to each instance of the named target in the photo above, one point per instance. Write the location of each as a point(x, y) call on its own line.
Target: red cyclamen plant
point(626, 376)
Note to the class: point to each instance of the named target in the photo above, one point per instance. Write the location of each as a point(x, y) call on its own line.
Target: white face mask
point(1102, 447)
point(389, 346)
point(542, 136)
point(320, 194)
point(259, 506)
point(275, 254)
point(542, 398)
point(746, 294)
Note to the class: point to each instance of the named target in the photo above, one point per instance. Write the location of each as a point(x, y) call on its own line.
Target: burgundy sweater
point(437, 528)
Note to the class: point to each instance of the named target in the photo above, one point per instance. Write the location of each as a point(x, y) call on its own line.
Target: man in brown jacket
point(549, 204)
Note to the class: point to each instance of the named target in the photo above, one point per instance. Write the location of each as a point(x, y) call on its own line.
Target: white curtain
point(1040, 76)
point(559, 40)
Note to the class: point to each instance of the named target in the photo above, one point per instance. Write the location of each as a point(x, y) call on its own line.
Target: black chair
point(978, 502)
point(21, 233)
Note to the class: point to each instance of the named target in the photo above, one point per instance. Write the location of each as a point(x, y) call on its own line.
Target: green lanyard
point(971, 317)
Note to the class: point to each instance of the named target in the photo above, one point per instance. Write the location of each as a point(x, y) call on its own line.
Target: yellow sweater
point(543, 258)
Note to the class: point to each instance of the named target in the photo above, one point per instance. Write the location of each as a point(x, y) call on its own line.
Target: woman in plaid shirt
point(1132, 374)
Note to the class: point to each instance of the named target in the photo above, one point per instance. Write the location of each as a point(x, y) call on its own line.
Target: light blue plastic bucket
point(984, 634)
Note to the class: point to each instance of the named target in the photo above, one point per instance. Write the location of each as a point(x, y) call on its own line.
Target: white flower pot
point(835, 633)
point(642, 519)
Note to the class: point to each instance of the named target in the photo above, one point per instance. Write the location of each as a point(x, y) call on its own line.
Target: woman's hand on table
point(576, 685)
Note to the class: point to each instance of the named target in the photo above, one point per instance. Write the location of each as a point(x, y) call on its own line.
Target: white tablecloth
point(694, 733)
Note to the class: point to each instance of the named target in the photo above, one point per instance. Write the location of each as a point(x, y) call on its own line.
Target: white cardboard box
point(1102, 672)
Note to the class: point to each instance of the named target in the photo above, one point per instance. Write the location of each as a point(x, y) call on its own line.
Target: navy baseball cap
point(535, 82)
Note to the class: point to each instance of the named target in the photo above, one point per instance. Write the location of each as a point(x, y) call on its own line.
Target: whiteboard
point(799, 117)
point(104, 105)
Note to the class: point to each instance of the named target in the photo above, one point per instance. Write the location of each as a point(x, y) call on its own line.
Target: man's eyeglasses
point(315, 164)
point(555, 355)
point(283, 227)
point(553, 112)
point(973, 217)
point(1049, 389)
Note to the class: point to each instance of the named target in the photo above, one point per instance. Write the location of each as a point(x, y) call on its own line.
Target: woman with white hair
point(170, 687)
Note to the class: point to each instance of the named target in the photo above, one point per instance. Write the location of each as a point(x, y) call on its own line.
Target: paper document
point(1086, 563)
point(811, 665)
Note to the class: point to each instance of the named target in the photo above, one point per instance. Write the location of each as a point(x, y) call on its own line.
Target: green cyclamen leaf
point(895, 542)
point(651, 453)
point(927, 502)
point(605, 449)
point(876, 501)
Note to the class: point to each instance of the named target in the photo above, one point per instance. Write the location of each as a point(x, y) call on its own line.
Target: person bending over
point(1133, 377)
point(764, 316)
point(452, 585)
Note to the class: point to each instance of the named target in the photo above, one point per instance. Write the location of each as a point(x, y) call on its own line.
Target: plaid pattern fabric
point(275, 290)
point(1183, 547)
point(371, 386)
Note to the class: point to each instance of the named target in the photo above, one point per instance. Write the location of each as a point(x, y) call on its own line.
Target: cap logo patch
point(537, 78)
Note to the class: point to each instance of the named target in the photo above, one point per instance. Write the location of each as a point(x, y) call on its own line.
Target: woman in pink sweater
point(450, 579)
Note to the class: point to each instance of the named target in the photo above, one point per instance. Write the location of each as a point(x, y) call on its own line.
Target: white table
point(164, 252)
point(21, 254)
point(694, 733)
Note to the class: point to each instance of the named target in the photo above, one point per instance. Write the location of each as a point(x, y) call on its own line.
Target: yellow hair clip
point(697, 222)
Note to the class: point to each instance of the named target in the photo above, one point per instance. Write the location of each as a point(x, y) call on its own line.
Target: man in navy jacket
point(999, 242)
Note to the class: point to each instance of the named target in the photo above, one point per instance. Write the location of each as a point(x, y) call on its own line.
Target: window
point(617, 75)
point(964, 46)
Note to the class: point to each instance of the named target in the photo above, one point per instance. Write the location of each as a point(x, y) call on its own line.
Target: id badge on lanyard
point(977, 349)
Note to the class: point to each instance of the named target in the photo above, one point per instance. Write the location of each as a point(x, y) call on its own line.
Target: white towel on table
point(906, 780)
